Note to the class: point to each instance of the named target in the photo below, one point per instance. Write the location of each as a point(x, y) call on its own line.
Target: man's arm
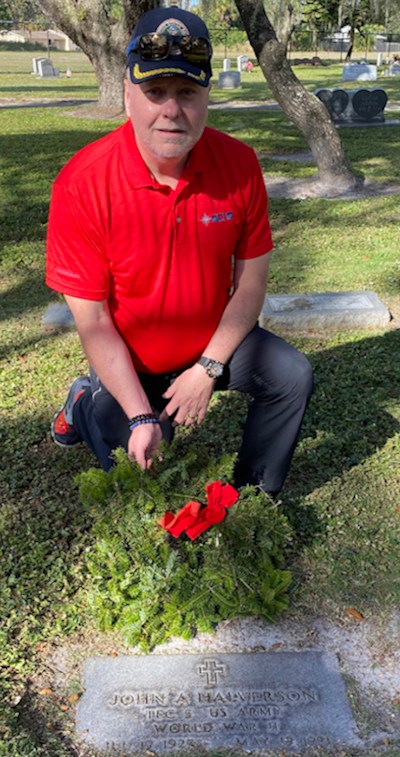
point(109, 357)
point(192, 390)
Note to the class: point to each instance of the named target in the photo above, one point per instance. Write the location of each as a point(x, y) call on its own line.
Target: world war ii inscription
point(251, 701)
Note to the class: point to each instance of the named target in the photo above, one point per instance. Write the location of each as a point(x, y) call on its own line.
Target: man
point(144, 226)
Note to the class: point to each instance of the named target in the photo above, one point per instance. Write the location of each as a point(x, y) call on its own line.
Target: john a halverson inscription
point(278, 700)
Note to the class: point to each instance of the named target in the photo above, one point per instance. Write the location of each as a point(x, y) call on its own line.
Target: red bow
point(195, 521)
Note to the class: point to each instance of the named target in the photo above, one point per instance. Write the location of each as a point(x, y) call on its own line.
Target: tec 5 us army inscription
point(291, 700)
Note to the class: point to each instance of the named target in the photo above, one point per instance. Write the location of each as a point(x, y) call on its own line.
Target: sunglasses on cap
point(195, 50)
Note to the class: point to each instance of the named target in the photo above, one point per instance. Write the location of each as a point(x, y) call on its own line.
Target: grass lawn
point(342, 495)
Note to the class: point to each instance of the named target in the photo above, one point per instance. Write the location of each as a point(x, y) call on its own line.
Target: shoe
point(62, 430)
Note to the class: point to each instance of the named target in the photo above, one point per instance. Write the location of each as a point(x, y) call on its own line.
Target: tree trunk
point(110, 71)
point(102, 38)
point(350, 46)
point(306, 111)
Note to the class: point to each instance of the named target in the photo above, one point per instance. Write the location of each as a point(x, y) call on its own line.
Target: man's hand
point(143, 441)
point(189, 396)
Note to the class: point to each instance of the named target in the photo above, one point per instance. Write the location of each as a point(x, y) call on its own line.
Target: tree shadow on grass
point(35, 726)
point(30, 292)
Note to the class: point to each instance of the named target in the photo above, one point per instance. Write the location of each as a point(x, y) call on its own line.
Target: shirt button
point(178, 220)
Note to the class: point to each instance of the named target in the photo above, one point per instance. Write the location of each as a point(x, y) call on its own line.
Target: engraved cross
point(211, 669)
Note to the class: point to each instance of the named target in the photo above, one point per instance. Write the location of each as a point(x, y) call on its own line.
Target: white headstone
point(379, 59)
point(394, 70)
point(226, 64)
point(229, 80)
point(35, 64)
point(242, 62)
point(359, 72)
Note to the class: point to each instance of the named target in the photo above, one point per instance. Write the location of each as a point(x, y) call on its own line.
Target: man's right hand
point(143, 441)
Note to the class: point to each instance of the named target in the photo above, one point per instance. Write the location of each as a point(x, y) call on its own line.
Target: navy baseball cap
point(153, 51)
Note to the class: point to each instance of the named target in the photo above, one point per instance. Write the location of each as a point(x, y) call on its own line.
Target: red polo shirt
point(161, 257)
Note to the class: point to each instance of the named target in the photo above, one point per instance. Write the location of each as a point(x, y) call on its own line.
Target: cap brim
point(142, 70)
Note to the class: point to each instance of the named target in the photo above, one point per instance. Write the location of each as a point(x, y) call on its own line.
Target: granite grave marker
point(359, 72)
point(323, 310)
point(252, 701)
point(35, 65)
point(369, 104)
point(335, 100)
point(242, 61)
point(46, 70)
point(229, 80)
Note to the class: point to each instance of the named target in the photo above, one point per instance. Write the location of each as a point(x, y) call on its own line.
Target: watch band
point(213, 368)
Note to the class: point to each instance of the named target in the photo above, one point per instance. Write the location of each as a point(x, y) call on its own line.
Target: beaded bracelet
point(144, 420)
point(141, 417)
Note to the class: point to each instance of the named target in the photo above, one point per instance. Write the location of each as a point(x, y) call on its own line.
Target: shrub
point(23, 47)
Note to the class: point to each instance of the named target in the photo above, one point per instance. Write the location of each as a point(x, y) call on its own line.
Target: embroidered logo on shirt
point(216, 218)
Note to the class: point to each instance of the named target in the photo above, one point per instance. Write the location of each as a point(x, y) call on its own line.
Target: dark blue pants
point(275, 374)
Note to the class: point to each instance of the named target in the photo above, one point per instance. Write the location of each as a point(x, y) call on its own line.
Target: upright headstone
point(394, 69)
point(229, 80)
point(46, 70)
point(226, 64)
point(368, 105)
point(335, 101)
point(35, 65)
point(379, 59)
point(359, 105)
point(359, 72)
point(242, 61)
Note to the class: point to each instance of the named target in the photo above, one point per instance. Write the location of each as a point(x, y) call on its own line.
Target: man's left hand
point(189, 396)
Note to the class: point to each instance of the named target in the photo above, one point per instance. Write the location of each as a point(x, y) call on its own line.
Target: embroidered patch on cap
point(173, 27)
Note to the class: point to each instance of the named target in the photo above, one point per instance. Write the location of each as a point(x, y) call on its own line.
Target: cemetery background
point(342, 497)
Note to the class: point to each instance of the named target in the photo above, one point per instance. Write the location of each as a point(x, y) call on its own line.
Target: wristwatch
point(214, 368)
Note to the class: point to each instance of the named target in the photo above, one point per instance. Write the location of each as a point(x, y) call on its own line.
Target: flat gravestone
point(288, 700)
point(327, 310)
point(58, 316)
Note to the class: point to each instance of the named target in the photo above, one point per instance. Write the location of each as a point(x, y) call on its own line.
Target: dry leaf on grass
point(355, 614)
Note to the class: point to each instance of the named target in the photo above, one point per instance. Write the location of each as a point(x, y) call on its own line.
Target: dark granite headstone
point(368, 104)
point(287, 701)
point(335, 100)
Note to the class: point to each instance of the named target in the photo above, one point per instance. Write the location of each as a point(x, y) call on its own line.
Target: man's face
point(168, 115)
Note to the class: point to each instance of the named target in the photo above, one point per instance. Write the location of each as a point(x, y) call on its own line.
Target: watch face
point(215, 369)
